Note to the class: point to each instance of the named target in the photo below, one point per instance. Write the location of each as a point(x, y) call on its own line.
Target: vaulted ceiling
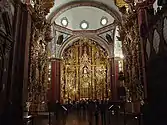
point(77, 14)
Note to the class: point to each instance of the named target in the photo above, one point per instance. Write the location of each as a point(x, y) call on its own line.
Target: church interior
point(87, 62)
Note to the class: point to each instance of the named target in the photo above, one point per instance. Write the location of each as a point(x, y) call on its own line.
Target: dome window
point(84, 25)
point(104, 21)
point(64, 22)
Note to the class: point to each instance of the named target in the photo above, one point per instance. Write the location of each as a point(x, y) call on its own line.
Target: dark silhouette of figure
point(97, 107)
point(103, 113)
point(57, 112)
point(91, 109)
point(61, 113)
point(121, 93)
point(144, 110)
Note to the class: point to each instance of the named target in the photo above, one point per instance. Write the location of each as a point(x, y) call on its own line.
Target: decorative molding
point(74, 4)
point(86, 71)
point(62, 29)
point(131, 46)
point(38, 56)
point(80, 32)
point(107, 28)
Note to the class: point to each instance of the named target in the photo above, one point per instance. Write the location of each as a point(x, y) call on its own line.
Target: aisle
point(76, 119)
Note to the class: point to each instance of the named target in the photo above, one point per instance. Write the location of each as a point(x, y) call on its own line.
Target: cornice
point(62, 29)
point(107, 28)
point(81, 32)
point(55, 59)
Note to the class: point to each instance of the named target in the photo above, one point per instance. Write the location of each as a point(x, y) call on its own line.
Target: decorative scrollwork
point(38, 77)
point(129, 35)
point(85, 71)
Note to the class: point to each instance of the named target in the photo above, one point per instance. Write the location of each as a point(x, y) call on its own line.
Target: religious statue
point(85, 72)
point(85, 56)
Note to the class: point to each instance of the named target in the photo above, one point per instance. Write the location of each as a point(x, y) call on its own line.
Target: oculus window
point(104, 21)
point(64, 22)
point(84, 25)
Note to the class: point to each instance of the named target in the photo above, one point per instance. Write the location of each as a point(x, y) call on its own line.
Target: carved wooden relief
point(129, 35)
point(38, 76)
point(85, 71)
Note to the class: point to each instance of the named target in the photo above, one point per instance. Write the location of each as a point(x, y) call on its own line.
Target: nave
point(59, 50)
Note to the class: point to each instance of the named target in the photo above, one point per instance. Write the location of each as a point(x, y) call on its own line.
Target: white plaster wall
point(90, 14)
point(58, 3)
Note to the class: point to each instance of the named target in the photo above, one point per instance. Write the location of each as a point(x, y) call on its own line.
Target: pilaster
point(113, 80)
point(55, 79)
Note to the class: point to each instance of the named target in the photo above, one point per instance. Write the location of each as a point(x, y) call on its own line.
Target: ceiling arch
point(97, 39)
point(103, 5)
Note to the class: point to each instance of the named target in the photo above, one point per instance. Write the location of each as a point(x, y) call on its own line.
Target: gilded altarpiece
point(85, 71)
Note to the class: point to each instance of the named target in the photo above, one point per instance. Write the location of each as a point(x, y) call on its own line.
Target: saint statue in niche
point(97, 55)
point(85, 71)
point(85, 56)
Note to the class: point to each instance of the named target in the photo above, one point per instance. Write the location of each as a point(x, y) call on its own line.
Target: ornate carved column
point(38, 77)
point(130, 36)
point(39, 63)
point(141, 9)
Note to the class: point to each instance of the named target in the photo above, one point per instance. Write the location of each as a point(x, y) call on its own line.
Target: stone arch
point(97, 39)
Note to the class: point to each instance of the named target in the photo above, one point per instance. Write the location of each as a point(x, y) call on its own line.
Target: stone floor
point(74, 118)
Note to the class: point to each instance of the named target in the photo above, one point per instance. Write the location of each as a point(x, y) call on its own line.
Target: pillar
point(55, 79)
point(113, 79)
point(143, 29)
